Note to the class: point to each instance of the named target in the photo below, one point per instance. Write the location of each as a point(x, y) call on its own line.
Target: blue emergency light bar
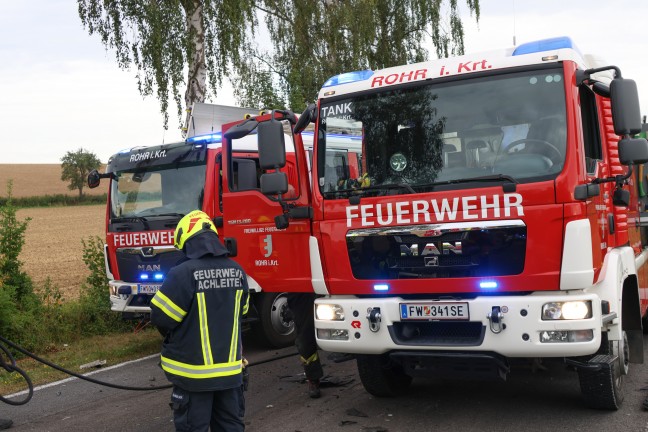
point(206, 139)
point(381, 287)
point(348, 77)
point(544, 45)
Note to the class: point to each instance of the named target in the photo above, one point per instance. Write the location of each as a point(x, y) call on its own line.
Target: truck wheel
point(382, 377)
point(275, 327)
point(603, 389)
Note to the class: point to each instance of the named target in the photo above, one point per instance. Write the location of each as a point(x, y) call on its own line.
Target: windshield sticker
point(341, 111)
point(154, 238)
point(138, 157)
point(466, 208)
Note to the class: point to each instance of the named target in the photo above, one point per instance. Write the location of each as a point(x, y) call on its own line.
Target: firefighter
point(361, 182)
point(199, 308)
point(301, 305)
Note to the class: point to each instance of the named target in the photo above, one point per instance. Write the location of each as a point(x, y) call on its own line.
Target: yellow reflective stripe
point(168, 307)
point(309, 360)
point(201, 371)
point(246, 306)
point(204, 329)
point(234, 340)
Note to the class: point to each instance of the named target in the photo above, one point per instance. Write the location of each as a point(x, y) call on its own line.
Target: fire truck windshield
point(163, 190)
point(508, 126)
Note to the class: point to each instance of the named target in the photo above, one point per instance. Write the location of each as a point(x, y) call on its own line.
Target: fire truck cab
point(496, 217)
point(152, 188)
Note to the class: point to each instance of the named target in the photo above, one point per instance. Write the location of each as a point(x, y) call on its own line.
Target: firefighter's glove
point(245, 375)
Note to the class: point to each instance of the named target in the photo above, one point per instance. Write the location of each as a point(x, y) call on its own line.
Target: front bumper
point(125, 299)
point(521, 327)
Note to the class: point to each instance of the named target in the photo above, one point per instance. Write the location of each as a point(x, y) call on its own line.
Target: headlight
point(571, 310)
point(329, 312)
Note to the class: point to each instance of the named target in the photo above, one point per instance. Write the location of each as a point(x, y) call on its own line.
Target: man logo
point(442, 248)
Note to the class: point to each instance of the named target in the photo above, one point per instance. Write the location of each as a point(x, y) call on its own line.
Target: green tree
point(13, 279)
point(166, 39)
point(314, 40)
point(174, 43)
point(75, 167)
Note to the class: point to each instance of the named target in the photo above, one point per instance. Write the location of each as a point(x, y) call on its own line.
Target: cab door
point(277, 259)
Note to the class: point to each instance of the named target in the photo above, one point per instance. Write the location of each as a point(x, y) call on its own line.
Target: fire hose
point(9, 364)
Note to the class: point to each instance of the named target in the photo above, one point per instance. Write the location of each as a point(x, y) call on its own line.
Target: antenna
point(514, 44)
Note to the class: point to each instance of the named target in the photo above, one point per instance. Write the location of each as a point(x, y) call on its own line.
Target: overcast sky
point(60, 90)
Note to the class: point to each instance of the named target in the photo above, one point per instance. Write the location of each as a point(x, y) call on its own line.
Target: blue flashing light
point(381, 287)
point(158, 276)
point(544, 45)
point(348, 77)
point(488, 285)
point(206, 139)
point(144, 276)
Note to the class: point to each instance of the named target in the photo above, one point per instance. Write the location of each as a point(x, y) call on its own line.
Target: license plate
point(147, 288)
point(434, 311)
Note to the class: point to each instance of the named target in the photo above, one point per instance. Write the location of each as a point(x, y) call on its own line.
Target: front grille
point(132, 263)
point(438, 251)
point(463, 333)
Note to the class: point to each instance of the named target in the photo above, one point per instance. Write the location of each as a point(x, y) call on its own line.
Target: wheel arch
point(631, 317)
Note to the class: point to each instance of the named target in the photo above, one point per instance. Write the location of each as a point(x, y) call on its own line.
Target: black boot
point(314, 389)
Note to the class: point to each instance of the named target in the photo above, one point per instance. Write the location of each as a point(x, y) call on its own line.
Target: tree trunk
point(197, 75)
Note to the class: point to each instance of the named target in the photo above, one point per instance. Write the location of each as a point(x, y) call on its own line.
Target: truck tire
point(275, 328)
point(381, 376)
point(603, 388)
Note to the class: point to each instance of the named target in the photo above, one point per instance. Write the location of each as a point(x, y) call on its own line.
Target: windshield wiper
point(180, 215)
point(358, 191)
point(489, 178)
point(354, 194)
point(140, 219)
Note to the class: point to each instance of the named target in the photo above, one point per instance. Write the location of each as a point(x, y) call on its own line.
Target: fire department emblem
point(266, 245)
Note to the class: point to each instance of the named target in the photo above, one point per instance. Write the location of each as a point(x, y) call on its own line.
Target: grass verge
point(114, 348)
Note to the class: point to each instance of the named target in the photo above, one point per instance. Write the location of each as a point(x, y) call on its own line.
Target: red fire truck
point(494, 218)
point(152, 188)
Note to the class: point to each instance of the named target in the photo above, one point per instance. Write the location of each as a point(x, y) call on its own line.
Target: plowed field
point(53, 244)
point(39, 179)
point(53, 239)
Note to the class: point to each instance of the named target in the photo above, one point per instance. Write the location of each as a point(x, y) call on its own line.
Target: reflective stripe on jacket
point(199, 306)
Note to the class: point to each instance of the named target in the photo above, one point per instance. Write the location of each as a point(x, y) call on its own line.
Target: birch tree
point(195, 44)
point(174, 45)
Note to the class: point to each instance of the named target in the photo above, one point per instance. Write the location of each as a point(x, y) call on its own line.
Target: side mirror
point(272, 146)
point(626, 114)
point(307, 117)
point(274, 183)
point(633, 151)
point(621, 198)
point(94, 179)
point(242, 129)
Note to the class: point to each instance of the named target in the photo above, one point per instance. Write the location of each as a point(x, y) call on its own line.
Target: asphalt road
point(530, 400)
